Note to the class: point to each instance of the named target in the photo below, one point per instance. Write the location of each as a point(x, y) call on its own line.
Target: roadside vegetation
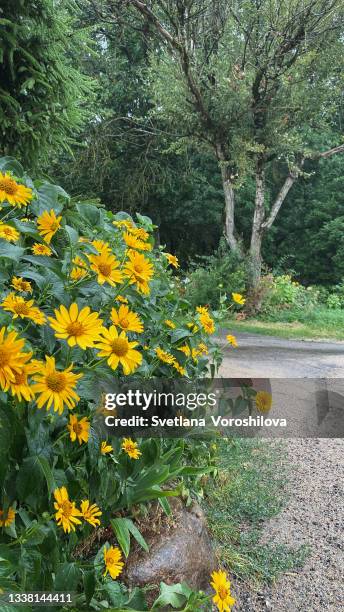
point(250, 489)
point(281, 305)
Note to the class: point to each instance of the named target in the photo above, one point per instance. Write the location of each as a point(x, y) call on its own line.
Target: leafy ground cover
point(249, 490)
point(317, 324)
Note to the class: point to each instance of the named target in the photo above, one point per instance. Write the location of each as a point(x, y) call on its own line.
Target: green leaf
point(137, 535)
point(47, 199)
point(115, 593)
point(90, 213)
point(120, 527)
point(179, 334)
point(48, 337)
point(30, 481)
point(10, 251)
point(10, 164)
point(165, 506)
point(46, 262)
point(67, 577)
point(89, 582)
point(48, 475)
point(72, 234)
point(175, 595)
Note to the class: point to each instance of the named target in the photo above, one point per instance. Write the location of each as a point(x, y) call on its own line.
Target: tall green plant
point(42, 89)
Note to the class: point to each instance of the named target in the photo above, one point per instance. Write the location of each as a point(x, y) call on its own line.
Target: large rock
point(180, 550)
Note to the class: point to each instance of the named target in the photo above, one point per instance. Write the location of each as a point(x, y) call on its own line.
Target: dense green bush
point(285, 293)
point(213, 279)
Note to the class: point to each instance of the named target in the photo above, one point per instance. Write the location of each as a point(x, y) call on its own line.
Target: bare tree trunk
point(257, 227)
point(229, 194)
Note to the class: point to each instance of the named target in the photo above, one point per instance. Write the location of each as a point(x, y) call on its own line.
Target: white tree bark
point(257, 226)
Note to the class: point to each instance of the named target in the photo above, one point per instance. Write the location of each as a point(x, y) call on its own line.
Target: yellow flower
point(164, 356)
point(105, 265)
point(21, 285)
point(12, 192)
point(20, 385)
point(139, 232)
point(12, 360)
point(131, 448)
point(48, 224)
point(185, 349)
point(78, 429)
point(122, 299)
point(118, 350)
point(179, 368)
point(126, 319)
point(172, 260)
point(133, 242)
point(263, 401)
point(77, 327)
point(41, 249)
point(203, 310)
point(90, 512)
point(123, 223)
point(101, 246)
point(7, 518)
point(207, 323)
point(169, 323)
point(195, 353)
point(105, 448)
point(232, 340)
point(139, 270)
point(23, 309)
point(203, 348)
point(66, 512)
point(194, 328)
point(222, 587)
point(79, 271)
point(55, 387)
point(238, 298)
point(112, 560)
point(7, 232)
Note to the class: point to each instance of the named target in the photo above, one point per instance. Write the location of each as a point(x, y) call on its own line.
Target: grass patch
point(315, 324)
point(250, 489)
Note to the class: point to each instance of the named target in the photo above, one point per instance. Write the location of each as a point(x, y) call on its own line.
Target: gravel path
point(315, 512)
point(315, 517)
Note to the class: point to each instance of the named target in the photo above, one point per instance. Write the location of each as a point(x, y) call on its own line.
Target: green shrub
point(285, 293)
point(213, 279)
point(58, 471)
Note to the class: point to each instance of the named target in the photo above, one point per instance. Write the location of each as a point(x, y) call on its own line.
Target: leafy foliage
point(42, 85)
point(43, 460)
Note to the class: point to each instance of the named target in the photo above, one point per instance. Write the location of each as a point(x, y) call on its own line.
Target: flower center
point(8, 231)
point(138, 268)
point(77, 428)
point(54, 226)
point(67, 508)
point(104, 269)
point(120, 346)
point(4, 357)
point(75, 328)
point(56, 381)
point(20, 378)
point(21, 308)
point(124, 323)
point(223, 592)
point(8, 186)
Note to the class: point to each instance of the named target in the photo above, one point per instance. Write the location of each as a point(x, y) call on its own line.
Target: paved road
point(269, 357)
point(306, 378)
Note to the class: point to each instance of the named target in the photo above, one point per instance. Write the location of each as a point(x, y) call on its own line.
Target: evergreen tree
point(42, 90)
